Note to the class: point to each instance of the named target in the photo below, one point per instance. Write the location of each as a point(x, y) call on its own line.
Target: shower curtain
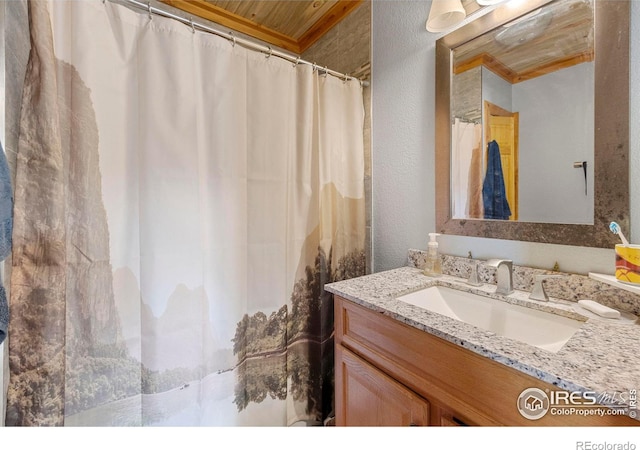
point(466, 170)
point(180, 202)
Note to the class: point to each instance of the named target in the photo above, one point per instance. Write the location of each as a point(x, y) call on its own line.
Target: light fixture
point(524, 29)
point(445, 14)
point(488, 2)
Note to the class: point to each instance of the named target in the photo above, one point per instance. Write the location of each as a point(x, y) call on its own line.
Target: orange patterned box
point(628, 263)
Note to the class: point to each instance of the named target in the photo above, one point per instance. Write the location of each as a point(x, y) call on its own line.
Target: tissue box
point(628, 263)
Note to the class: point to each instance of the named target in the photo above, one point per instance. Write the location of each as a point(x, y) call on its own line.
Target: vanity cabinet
point(390, 373)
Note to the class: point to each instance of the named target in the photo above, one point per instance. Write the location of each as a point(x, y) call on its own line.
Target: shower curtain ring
point(314, 67)
point(270, 52)
point(296, 62)
point(346, 78)
point(149, 10)
point(325, 72)
point(193, 29)
point(233, 39)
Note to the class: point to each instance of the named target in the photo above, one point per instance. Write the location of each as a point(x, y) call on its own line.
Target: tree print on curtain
point(279, 344)
point(91, 342)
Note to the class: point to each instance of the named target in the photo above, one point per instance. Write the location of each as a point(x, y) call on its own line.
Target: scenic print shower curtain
point(180, 202)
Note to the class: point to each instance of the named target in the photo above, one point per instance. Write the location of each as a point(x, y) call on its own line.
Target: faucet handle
point(473, 278)
point(538, 292)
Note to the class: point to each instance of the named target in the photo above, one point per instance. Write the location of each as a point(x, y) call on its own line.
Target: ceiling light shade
point(445, 14)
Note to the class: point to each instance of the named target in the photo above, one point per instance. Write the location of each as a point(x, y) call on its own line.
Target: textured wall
point(403, 104)
point(347, 46)
point(466, 95)
point(403, 58)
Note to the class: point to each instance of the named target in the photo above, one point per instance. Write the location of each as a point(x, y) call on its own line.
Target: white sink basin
point(538, 328)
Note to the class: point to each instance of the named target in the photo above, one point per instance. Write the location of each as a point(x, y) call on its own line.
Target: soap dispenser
point(433, 267)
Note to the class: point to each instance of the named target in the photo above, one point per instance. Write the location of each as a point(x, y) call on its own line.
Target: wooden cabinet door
point(365, 396)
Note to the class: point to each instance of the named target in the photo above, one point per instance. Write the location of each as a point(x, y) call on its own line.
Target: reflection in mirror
point(564, 163)
point(528, 87)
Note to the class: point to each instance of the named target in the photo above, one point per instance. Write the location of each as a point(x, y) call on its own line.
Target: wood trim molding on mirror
point(611, 139)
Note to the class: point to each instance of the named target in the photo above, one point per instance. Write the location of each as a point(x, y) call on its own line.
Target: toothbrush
point(615, 228)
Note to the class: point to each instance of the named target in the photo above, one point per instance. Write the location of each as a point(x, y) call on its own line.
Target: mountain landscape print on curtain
point(110, 379)
point(134, 291)
point(294, 348)
point(289, 352)
point(68, 354)
point(65, 353)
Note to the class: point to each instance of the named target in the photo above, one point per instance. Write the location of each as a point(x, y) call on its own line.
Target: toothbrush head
point(615, 228)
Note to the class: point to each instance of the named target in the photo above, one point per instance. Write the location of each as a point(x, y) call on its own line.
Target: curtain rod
point(237, 40)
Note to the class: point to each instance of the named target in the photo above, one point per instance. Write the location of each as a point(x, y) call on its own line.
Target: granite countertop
point(602, 356)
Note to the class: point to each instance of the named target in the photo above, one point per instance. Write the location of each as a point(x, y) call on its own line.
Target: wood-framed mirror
point(610, 176)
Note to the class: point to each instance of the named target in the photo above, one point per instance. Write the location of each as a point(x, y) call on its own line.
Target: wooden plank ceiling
point(293, 25)
point(556, 36)
point(553, 37)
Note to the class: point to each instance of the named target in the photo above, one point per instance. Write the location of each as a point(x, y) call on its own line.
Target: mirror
point(576, 207)
point(528, 86)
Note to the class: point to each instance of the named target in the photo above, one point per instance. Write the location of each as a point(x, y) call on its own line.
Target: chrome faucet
point(504, 275)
